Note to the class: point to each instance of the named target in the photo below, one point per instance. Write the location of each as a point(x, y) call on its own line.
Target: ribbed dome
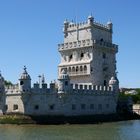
point(25, 74)
point(113, 81)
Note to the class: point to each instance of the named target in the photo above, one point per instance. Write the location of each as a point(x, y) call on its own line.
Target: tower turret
point(114, 84)
point(64, 82)
point(25, 81)
point(110, 25)
point(66, 24)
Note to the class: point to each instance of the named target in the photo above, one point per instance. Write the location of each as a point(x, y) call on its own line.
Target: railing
point(77, 73)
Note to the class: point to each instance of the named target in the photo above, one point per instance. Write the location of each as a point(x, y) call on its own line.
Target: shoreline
point(57, 120)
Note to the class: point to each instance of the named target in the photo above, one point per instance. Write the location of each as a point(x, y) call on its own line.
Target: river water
point(125, 130)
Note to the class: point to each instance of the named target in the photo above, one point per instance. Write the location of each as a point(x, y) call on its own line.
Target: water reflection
point(127, 130)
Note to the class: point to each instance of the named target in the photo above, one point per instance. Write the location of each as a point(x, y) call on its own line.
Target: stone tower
point(64, 84)
point(88, 54)
point(25, 81)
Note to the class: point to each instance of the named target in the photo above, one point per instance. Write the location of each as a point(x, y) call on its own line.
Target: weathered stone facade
point(87, 82)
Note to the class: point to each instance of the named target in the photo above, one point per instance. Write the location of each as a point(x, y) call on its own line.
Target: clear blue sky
point(31, 29)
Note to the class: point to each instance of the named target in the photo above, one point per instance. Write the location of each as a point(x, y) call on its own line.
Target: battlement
point(85, 43)
point(71, 26)
point(90, 88)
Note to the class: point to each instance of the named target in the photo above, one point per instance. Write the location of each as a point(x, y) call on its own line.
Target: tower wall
point(88, 54)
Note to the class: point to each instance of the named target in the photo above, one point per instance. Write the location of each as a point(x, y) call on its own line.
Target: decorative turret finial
point(25, 69)
point(90, 19)
point(43, 79)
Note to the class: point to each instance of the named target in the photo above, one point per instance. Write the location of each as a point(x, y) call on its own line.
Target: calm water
point(127, 130)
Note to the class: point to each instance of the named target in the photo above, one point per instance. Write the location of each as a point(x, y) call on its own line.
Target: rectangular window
point(107, 105)
point(73, 107)
point(66, 83)
point(91, 106)
point(51, 107)
point(15, 107)
point(83, 106)
point(36, 107)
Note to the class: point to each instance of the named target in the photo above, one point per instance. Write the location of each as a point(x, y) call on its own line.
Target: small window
point(36, 107)
point(15, 107)
point(82, 55)
point(105, 69)
point(104, 55)
point(91, 106)
point(73, 107)
point(70, 57)
point(77, 69)
point(51, 107)
point(83, 106)
point(101, 40)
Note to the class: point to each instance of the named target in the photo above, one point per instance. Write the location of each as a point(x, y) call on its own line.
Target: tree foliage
point(8, 83)
point(135, 98)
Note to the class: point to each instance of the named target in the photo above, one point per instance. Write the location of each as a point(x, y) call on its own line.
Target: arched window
point(21, 83)
point(82, 55)
point(70, 57)
point(85, 68)
point(77, 69)
point(69, 69)
point(73, 69)
point(81, 68)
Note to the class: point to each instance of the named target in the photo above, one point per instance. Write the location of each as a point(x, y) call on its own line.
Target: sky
point(30, 31)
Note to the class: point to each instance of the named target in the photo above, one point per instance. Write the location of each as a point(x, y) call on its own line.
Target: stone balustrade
point(76, 44)
point(84, 43)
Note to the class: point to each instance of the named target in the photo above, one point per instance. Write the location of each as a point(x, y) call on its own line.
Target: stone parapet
point(89, 88)
point(81, 25)
point(85, 43)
